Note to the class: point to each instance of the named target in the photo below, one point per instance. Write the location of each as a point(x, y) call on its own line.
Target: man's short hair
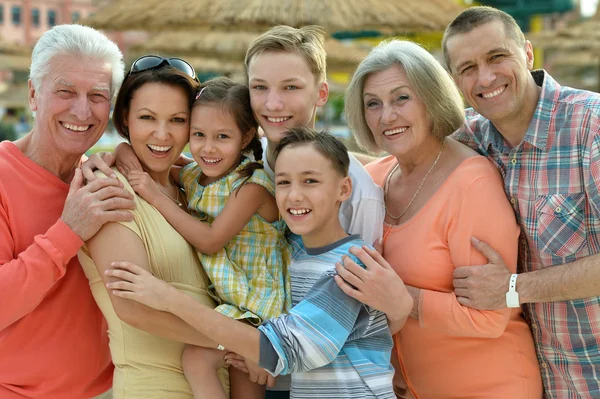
point(307, 41)
point(326, 144)
point(75, 40)
point(474, 17)
point(428, 79)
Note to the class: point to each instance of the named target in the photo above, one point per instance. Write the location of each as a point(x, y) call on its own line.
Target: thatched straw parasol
point(578, 45)
point(582, 36)
point(14, 56)
point(13, 48)
point(577, 59)
point(231, 46)
point(203, 65)
point(14, 62)
point(387, 16)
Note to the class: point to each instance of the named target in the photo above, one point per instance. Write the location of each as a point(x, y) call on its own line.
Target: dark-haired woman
point(234, 225)
point(152, 112)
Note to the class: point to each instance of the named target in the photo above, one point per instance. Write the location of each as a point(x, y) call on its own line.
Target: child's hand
point(144, 186)
point(101, 161)
point(139, 284)
point(126, 160)
point(256, 373)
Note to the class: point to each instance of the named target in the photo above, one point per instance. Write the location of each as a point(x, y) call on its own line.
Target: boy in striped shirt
point(334, 346)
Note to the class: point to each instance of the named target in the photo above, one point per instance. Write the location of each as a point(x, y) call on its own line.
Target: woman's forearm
point(234, 335)
point(163, 324)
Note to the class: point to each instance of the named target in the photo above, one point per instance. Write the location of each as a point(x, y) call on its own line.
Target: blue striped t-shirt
point(333, 345)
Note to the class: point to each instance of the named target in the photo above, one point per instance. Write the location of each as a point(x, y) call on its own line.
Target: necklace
point(176, 199)
point(387, 183)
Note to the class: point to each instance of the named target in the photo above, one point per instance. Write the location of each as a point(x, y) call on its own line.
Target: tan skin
point(161, 125)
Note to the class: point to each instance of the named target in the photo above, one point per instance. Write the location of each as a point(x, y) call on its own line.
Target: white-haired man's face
point(72, 104)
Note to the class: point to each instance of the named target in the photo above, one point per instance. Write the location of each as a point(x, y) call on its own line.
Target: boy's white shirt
point(363, 213)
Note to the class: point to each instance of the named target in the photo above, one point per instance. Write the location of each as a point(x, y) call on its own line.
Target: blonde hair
point(428, 80)
point(307, 41)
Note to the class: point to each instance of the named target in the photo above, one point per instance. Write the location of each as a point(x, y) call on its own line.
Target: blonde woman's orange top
point(453, 351)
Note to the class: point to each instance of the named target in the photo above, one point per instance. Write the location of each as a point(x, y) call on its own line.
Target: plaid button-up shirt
point(552, 179)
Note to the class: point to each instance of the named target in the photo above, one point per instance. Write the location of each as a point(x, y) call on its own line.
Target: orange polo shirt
point(453, 351)
point(53, 338)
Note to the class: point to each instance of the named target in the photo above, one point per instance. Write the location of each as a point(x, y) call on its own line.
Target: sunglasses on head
point(154, 62)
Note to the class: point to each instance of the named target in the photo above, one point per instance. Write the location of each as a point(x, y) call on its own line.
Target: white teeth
point(278, 120)
point(75, 127)
point(299, 211)
point(395, 131)
point(159, 148)
point(212, 160)
point(494, 93)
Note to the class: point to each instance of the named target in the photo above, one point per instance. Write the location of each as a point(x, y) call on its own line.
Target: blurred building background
point(213, 36)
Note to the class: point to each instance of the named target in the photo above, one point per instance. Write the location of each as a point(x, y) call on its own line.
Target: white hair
point(75, 40)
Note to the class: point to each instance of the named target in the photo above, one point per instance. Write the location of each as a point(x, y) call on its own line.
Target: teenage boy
point(286, 69)
point(333, 345)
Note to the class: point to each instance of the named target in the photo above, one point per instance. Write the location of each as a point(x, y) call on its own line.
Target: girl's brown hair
point(235, 100)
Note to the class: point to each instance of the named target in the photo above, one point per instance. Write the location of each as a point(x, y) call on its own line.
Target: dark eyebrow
point(218, 131)
point(492, 51)
point(147, 109)
point(304, 173)
point(288, 80)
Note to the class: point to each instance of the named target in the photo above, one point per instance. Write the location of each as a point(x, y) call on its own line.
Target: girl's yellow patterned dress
point(249, 274)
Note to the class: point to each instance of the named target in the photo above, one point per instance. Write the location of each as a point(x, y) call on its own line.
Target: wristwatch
point(512, 296)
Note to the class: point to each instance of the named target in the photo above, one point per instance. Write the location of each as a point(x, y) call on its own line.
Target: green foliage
point(7, 132)
point(337, 103)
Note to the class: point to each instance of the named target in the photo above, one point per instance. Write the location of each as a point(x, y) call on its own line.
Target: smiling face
point(216, 141)
point(158, 123)
point(72, 104)
point(396, 117)
point(309, 192)
point(492, 71)
point(284, 92)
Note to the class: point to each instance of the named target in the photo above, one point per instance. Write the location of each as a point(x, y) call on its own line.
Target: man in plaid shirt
point(545, 140)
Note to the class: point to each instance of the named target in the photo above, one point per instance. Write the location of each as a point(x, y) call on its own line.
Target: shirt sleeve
point(486, 214)
point(25, 278)
point(591, 168)
point(363, 213)
point(314, 332)
point(367, 220)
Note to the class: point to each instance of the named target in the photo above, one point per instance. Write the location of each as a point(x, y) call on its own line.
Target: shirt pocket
point(561, 223)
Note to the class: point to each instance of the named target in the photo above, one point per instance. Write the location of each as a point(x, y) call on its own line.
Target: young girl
point(234, 225)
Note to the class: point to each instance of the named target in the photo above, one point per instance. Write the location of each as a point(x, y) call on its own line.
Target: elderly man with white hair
point(53, 340)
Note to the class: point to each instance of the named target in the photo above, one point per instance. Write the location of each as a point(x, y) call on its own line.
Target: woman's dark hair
point(234, 98)
point(166, 75)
